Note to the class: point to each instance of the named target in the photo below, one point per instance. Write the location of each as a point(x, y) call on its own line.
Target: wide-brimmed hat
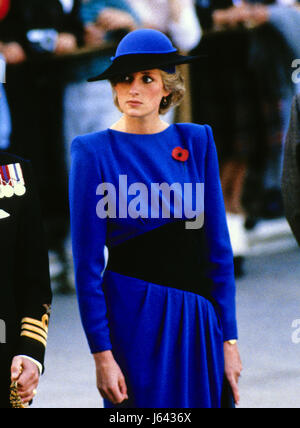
point(144, 49)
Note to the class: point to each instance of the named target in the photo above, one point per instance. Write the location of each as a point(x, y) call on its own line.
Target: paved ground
point(69, 379)
point(268, 302)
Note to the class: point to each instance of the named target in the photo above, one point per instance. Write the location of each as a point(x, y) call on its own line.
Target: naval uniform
point(159, 294)
point(25, 292)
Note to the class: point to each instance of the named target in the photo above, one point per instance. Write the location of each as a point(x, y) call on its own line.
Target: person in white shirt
point(177, 18)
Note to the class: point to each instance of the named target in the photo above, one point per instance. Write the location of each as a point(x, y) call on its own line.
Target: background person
point(176, 18)
point(247, 105)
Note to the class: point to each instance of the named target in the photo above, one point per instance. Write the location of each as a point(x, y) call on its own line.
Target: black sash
point(169, 255)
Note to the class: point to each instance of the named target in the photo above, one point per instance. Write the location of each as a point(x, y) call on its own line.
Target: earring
point(165, 101)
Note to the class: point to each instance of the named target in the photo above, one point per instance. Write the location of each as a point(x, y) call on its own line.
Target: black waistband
point(168, 255)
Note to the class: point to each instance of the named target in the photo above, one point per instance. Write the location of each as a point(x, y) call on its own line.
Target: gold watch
point(232, 342)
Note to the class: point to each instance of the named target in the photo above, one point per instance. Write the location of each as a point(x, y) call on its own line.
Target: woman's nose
point(134, 88)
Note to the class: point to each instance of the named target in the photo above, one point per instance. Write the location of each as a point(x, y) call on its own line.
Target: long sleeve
point(88, 241)
point(291, 171)
point(32, 278)
point(218, 241)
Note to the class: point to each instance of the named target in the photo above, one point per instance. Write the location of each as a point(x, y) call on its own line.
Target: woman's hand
point(233, 368)
point(26, 373)
point(110, 379)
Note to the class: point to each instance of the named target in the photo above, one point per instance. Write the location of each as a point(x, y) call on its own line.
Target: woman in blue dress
point(152, 255)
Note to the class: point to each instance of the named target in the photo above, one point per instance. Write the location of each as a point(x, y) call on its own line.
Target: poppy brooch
point(180, 154)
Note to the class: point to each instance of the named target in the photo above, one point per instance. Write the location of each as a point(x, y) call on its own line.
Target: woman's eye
point(147, 79)
point(125, 79)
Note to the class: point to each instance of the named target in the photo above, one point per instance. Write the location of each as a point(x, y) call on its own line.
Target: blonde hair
point(173, 83)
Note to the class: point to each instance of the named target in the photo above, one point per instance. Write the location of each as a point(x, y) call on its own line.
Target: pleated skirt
point(168, 344)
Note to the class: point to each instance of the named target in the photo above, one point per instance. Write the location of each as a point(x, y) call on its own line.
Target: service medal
point(8, 191)
point(19, 189)
point(12, 181)
point(18, 179)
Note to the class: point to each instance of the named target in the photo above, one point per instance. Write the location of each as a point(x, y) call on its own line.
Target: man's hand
point(233, 368)
point(26, 374)
point(110, 380)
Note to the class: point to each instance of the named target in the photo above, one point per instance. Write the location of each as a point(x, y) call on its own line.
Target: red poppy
point(180, 154)
point(4, 8)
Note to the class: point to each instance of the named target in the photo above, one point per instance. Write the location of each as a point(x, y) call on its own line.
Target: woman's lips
point(134, 103)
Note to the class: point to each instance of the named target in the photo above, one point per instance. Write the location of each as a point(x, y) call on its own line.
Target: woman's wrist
point(103, 357)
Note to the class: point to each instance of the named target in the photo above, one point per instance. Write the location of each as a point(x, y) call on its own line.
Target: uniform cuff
point(37, 363)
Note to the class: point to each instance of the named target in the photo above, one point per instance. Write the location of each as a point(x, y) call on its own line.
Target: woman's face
point(140, 94)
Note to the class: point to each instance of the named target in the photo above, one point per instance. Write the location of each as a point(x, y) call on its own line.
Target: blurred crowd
point(242, 87)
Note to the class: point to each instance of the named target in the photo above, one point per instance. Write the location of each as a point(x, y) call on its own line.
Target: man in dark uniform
point(25, 292)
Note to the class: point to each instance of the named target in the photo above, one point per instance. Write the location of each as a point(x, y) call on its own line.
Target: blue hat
point(144, 49)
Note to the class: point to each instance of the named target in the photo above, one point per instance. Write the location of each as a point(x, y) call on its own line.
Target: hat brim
point(140, 62)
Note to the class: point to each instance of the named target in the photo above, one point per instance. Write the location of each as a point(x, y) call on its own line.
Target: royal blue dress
point(159, 294)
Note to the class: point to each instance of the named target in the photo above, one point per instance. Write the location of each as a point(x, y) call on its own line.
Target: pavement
point(268, 311)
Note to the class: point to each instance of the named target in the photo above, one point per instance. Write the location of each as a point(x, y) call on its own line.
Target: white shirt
point(186, 33)
point(67, 5)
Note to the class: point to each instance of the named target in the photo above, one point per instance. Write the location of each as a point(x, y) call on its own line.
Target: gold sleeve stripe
point(35, 330)
point(40, 324)
point(34, 336)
